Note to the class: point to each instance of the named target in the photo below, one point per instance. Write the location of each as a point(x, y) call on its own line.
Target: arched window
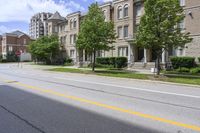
point(119, 12)
point(126, 10)
point(75, 23)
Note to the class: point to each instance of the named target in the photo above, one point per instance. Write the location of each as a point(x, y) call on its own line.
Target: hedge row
point(187, 62)
point(118, 62)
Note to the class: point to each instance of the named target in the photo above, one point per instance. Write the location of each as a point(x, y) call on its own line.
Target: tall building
point(126, 16)
point(38, 25)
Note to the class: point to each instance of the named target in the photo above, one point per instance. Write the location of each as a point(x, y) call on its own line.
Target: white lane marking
point(132, 88)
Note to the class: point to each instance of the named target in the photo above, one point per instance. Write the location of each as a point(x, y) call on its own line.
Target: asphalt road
point(37, 101)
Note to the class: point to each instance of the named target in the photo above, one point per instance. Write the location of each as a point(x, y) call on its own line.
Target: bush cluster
point(199, 59)
point(195, 70)
point(118, 62)
point(187, 62)
point(10, 57)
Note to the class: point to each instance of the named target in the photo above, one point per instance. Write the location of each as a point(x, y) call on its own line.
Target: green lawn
point(104, 72)
point(194, 81)
point(132, 75)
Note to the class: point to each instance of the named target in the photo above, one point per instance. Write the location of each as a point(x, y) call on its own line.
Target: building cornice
point(191, 7)
point(74, 14)
point(105, 4)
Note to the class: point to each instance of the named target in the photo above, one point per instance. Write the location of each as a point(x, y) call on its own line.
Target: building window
point(101, 53)
point(71, 24)
point(72, 53)
point(10, 48)
point(71, 39)
point(24, 41)
point(104, 13)
point(56, 29)
point(126, 31)
point(119, 32)
point(181, 25)
point(75, 23)
point(64, 39)
point(182, 2)
point(138, 8)
point(123, 51)
point(126, 10)
point(74, 41)
point(119, 12)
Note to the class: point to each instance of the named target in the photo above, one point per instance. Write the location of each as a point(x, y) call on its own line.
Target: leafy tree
point(95, 33)
point(159, 28)
point(45, 48)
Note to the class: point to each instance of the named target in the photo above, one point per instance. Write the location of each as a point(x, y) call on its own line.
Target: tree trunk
point(158, 64)
point(94, 60)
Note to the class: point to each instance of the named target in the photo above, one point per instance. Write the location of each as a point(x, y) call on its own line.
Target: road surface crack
point(22, 119)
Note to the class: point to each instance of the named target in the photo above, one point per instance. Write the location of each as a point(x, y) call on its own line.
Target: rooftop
point(56, 16)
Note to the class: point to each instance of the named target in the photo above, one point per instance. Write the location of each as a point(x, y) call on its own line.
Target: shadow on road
point(50, 116)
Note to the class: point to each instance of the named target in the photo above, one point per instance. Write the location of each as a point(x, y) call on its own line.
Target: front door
point(140, 54)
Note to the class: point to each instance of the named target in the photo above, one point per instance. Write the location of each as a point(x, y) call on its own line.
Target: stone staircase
point(141, 65)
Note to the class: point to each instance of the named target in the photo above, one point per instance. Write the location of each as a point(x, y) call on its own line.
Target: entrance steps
point(141, 65)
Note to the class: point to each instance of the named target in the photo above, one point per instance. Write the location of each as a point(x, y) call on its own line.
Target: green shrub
point(199, 59)
point(112, 61)
point(103, 60)
point(101, 65)
point(1, 58)
point(183, 70)
point(118, 62)
point(68, 60)
point(4, 61)
point(121, 62)
point(187, 62)
point(11, 57)
point(195, 70)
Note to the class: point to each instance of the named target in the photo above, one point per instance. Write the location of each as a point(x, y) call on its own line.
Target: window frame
point(126, 8)
point(119, 12)
point(125, 31)
point(118, 32)
point(138, 9)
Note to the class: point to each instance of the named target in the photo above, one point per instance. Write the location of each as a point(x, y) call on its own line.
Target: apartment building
point(14, 41)
point(67, 29)
point(191, 24)
point(0, 45)
point(38, 25)
point(126, 16)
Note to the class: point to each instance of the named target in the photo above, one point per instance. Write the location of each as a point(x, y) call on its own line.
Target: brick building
point(14, 41)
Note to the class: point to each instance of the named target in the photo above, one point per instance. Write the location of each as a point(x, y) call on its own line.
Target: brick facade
point(15, 41)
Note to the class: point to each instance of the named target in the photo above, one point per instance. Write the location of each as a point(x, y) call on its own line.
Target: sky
point(16, 14)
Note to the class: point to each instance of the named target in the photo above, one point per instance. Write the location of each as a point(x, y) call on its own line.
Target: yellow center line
point(131, 112)
point(193, 127)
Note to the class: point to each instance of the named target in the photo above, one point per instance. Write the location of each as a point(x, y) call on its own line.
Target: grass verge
point(132, 75)
point(104, 72)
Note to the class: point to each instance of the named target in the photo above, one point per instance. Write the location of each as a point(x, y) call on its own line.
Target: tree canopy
point(45, 48)
point(95, 33)
point(159, 26)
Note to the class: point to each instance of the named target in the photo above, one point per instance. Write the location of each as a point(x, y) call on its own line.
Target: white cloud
point(23, 10)
point(103, 0)
point(4, 29)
